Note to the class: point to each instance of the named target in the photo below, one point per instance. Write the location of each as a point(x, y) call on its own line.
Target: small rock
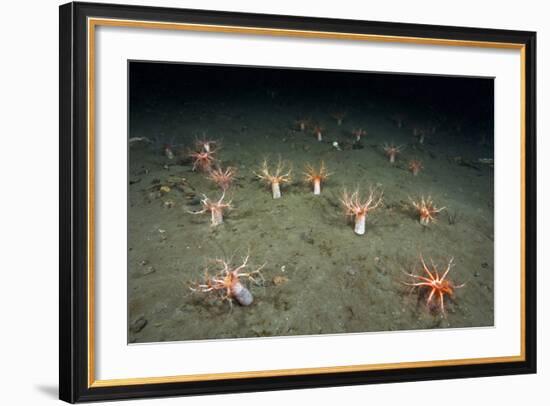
point(351, 271)
point(307, 238)
point(148, 270)
point(138, 324)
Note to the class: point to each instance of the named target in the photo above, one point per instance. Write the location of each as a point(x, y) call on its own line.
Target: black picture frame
point(74, 384)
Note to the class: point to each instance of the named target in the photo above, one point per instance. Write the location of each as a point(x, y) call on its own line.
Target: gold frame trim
point(94, 22)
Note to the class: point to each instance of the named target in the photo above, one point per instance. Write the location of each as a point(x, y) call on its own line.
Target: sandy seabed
point(319, 276)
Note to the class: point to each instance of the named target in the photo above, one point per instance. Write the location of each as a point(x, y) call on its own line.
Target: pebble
point(138, 324)
point(148, 270)
point(307, 238)
point(351, 271)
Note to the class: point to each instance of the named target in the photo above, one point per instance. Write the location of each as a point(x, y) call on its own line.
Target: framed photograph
point(257, 202)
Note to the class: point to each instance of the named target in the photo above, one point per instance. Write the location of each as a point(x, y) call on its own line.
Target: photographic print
point(288, 193)
point(270, 202)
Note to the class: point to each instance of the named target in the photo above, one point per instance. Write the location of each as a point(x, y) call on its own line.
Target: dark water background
point(319, 277)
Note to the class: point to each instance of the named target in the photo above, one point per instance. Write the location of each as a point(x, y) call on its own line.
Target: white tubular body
point(217, 217)
point(360, 224)
point(276, 190)
point(242, 294)
point(317, 186)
